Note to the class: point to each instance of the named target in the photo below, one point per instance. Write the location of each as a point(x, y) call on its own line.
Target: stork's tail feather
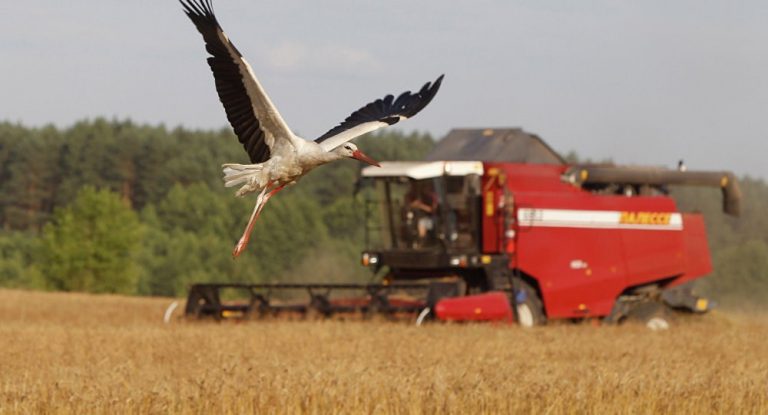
point(235, 174)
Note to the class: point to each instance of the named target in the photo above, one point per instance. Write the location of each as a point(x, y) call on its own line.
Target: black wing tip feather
point(199, 9)
point(423, 97)
point(388, 109)
point(437, 82)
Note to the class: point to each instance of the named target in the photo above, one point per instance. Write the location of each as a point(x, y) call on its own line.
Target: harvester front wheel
point(529, 310)
point(652, 314)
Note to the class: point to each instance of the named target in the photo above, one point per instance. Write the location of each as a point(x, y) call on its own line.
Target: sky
point(646, 82)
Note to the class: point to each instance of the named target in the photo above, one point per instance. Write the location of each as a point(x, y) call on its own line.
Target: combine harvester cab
point(499, 211)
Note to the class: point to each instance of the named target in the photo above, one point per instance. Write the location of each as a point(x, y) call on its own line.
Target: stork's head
point(350, 150)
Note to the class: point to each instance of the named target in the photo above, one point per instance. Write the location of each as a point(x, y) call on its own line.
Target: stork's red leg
point(243, 242)
point(260, 202)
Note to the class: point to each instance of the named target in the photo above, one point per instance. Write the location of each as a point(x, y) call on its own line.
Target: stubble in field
point(73, 353)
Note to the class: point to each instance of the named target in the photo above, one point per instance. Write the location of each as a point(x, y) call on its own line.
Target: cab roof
point(509, 145)
point(418, 170)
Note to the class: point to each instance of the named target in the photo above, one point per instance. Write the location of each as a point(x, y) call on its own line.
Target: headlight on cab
point(369, 259)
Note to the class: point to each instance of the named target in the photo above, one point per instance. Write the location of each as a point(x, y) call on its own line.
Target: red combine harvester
point(496, 226)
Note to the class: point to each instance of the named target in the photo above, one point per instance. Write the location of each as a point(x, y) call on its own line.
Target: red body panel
point(698, 261)
point(584, 249)
point(491, 306)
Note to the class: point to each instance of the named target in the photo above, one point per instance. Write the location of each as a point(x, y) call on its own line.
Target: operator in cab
point(421, 200)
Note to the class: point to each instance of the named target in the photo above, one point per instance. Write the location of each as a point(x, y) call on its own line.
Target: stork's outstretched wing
point(252, 115)
point(378, 114)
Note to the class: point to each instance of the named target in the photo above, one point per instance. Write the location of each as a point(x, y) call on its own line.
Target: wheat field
point(77, 353)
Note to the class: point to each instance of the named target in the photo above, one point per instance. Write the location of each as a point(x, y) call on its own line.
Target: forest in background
point(112, 206)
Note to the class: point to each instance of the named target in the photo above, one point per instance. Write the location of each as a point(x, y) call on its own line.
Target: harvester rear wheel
point(529, 310)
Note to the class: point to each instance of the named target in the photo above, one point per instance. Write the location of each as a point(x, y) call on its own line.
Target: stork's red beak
point(357, 154)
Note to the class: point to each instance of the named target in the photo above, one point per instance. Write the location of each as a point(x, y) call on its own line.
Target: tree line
point(112, 206)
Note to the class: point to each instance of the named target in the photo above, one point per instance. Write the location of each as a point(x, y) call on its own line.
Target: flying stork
point(279, 156)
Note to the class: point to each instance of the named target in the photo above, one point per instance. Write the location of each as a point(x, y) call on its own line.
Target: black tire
point(529, 310)
point(652, 314)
